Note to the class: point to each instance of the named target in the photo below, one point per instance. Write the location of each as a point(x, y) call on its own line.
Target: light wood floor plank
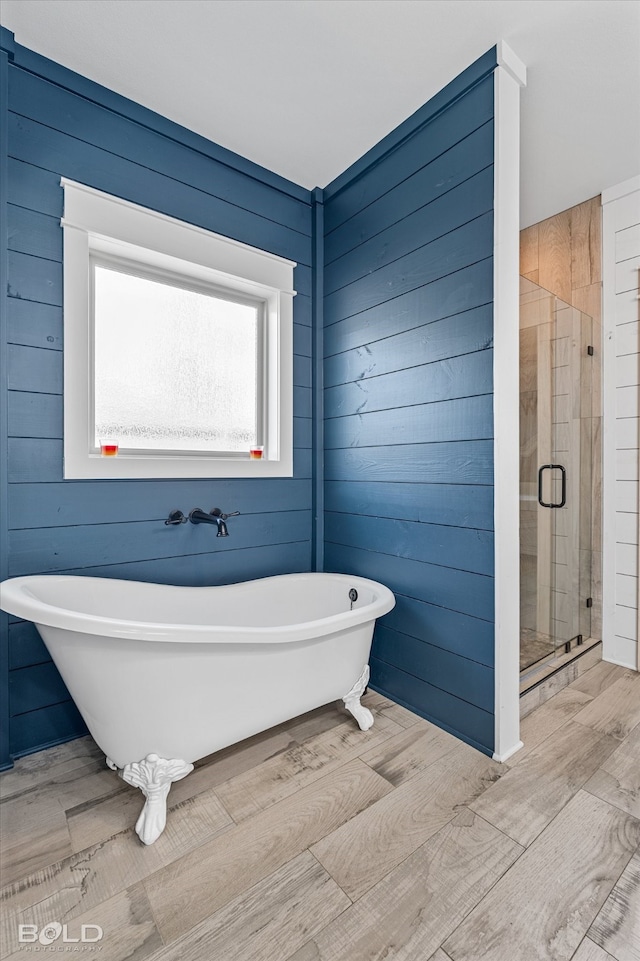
point(76, 884)
point(51, 766)
point(395, 712)
point(129, 931)
point(34, 834)
point(547, 719)
point(33, 820)
point(599, 678)
point(190, 890)
point(588, 951)
point(301, 764)
point(309, 952)
point(617, 927)
point(92, 823)
point(233, 760)
point(409, 913)
point(315, 722)
point(530, 795)
point(617, 711)
point(269, 921)
point(360, 853)
point(402, 757)
point(618, 779)
point(397, 832)
point(541, 909)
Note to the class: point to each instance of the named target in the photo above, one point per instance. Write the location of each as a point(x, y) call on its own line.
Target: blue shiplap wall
point(408, 405)
point(404, 281)
point(59, 124)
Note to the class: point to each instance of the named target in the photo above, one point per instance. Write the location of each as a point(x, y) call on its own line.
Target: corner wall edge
point(511, 63)
point(611, 194)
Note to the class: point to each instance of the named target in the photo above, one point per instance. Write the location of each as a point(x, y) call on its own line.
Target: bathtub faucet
point(215, 516)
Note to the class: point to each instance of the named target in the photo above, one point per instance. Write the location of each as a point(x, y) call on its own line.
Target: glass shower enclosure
point(556, 424)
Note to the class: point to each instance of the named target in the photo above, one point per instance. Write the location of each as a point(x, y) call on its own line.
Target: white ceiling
point(305, 87)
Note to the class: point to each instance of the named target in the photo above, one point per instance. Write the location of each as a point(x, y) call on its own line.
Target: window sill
point(133, 466)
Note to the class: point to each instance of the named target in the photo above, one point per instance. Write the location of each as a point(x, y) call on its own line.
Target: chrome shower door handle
point(563, 491)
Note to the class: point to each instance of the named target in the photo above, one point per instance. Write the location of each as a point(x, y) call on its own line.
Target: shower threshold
point(547, 667)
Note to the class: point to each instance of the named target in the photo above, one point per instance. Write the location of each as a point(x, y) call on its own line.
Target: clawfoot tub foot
point(154, 776)
point(363, 715)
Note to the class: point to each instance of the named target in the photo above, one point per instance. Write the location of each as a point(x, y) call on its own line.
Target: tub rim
point(17, 598)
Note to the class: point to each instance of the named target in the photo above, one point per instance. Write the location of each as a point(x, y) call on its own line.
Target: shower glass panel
point(555, 475)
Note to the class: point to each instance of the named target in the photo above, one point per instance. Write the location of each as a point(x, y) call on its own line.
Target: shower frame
point(557, 362)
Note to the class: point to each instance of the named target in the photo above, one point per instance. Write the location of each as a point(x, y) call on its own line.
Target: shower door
point(556, 360)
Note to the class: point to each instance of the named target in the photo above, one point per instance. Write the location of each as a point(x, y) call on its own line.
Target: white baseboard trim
point(507, 754)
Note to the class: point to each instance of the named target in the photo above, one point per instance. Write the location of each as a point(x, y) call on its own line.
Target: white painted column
point(509, 77)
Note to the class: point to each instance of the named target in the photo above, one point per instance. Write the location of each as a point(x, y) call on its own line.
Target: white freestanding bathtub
point(166, 675)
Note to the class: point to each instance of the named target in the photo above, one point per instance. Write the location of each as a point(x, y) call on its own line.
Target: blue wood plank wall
point(4, 620)
point(408, 404)
point(404, 283)
point(60, 124)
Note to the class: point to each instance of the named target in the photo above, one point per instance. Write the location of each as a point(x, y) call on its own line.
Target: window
point(189, 376)
point(178, 347)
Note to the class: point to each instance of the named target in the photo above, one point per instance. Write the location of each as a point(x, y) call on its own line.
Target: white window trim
point(95, 222)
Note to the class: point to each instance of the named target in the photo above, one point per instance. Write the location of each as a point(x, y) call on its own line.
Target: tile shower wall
point(62, 125)
point(563, 254)
point(409, 400)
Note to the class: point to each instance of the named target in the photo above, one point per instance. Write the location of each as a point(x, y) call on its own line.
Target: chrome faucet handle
point(175, 517)
point(216, 512)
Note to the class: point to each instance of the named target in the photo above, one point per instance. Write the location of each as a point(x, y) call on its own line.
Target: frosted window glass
point(175, 369)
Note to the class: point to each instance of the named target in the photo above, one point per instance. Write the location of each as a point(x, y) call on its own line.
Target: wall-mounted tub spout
point(215, 516)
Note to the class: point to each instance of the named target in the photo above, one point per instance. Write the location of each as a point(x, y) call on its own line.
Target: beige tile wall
point(563, 254)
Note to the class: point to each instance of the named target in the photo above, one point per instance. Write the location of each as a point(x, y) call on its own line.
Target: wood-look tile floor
point(317, 842)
